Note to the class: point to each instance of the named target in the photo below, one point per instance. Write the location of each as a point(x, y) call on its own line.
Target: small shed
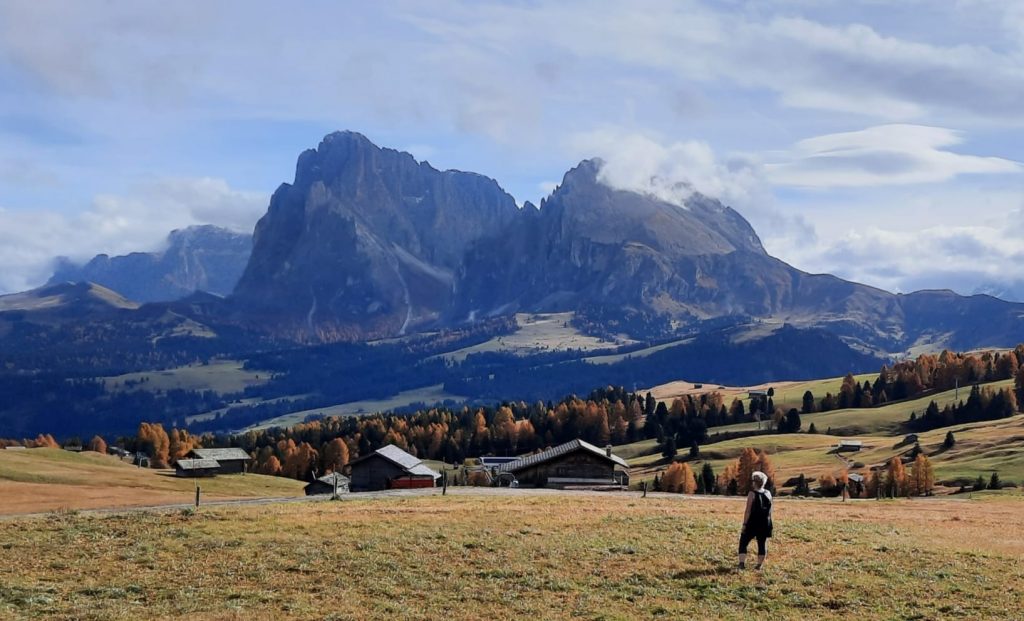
point(231, 460)
point(390, 467)
point(849, 446)
point(573, 464)
point(196, 468)
point(326, 484)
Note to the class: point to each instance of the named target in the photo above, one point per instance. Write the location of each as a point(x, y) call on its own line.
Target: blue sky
point(881, 143)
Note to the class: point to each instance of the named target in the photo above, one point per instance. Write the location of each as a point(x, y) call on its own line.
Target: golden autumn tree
point(728, 475)
point(153, 441)
point(748, 464)
point(272, 466)
point(679, 479)
point(98, 445)
point(301, 462)
point(335, 455)
point(896, 478)
point(922, 477)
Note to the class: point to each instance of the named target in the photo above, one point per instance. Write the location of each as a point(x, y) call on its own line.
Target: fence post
point(444, 482)
point(645, 489)
point(197, 496)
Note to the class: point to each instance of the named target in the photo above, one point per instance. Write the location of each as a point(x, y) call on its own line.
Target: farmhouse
point(229, 460)
point(575, 463)
point(389, 467)
point(196, 468)
point(326, 484)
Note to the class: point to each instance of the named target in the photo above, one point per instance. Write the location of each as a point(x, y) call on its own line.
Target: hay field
point(518, 555)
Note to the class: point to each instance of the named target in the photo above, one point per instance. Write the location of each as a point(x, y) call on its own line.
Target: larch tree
point(154, 442)
point(98, 445)
point(688, 484)
point(673, 477)
point(335, 455)
point(922, 477)
point(748, 463)
point(896, 478)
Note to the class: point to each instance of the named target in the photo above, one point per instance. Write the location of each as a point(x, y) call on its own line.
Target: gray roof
point(528, 461)
point(330, 476)
point(197, 464)
point(399, 457)
point(220, 454)
point(421, 470)
point(858, 478)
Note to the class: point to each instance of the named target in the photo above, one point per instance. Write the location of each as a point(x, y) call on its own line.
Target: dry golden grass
point(49, 479)
point(518, 555)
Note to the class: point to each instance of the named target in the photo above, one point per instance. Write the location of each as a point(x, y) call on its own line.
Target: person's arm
point(746, 512)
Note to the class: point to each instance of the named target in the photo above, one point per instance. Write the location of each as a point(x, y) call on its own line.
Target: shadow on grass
point(705, 572)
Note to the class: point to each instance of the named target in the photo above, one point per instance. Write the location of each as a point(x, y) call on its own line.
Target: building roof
point(851, 443)
point(220, 454)
point(422, 470)
point(196, 464)
point(858, 478)
point(411, 464)
point(529, 461)
point(329, 479)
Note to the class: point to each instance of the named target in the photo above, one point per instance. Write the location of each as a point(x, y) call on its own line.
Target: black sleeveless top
point(760, 520)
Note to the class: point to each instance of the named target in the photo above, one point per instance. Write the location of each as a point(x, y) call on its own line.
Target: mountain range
point(369, 243)
point(371, 271)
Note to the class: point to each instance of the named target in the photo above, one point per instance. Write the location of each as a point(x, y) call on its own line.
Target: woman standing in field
point(757, 520)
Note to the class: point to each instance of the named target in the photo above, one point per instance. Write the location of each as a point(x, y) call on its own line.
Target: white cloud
point(882, 155)
point(670, 171)
point(140, 221)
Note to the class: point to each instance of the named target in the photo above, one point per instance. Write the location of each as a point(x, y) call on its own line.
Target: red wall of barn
point(410, 483)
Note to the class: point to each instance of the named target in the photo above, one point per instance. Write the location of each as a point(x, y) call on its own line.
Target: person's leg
point(744, 543)
point(762, 550)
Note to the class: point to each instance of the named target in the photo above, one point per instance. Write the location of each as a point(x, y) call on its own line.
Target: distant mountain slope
point(198, 258)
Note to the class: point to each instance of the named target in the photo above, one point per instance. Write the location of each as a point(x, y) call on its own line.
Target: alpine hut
point(229, 460)
point(390, 467)
point(573, 464)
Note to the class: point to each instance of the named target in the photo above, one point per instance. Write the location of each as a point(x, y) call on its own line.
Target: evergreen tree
point(707, 475)
point(808, 403)
point(802, 487)
point(668, 450)
point(657, 483)
point(979, 483)
point(949, 442)
point(994, 482)
point(812, 429)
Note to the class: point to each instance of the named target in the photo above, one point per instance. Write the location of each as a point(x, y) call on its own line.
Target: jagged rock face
point(591, 244)
point(198, 258)
point(365, 242)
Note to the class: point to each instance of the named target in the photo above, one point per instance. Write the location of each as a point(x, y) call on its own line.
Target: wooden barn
point(196, 468)
point(326, 484)
point(229, 460)
point(389, 467)
point(573, 464)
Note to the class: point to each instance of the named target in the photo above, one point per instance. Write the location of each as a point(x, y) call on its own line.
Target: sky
point(882, 142)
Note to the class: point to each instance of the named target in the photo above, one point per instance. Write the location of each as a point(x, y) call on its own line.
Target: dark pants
point(762, 543)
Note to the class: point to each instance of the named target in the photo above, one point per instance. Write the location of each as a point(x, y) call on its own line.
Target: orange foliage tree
point(335, 455)
point(896, 478)
point(153, 441)
point(98, 445)
point(922, 477)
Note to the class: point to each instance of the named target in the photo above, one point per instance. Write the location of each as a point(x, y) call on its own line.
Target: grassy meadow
point(517, 554)
point(40, 479)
